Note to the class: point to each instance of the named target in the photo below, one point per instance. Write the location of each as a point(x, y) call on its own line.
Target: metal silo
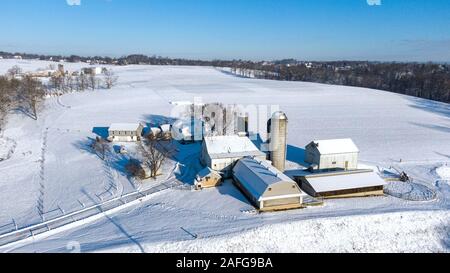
point(277, 128)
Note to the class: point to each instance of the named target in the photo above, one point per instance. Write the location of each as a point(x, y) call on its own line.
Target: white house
point(332, 154)
point(265, 186)
point(125, 132)
point(220, 153)
point(95, 70)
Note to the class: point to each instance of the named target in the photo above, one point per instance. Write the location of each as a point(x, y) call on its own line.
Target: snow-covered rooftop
point(258, 175)
point(124, 127)
point(336, 146)
point(231, 146)
point(341, 181)
point(205, 172)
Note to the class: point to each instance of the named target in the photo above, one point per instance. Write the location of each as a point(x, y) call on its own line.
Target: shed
point(332, 154)
point(342, 184)
point(207, 178)
point(265, 186)
point(125, 132)
point(220, 153)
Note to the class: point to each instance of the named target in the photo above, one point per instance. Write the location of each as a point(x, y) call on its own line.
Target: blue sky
point(401, 30)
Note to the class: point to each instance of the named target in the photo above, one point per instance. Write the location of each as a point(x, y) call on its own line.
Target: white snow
point(344, 182)
point(336, 146)
point(230, 146)
point(419, 232)
point(124, 127)
point(52, 165)
point(443, 172)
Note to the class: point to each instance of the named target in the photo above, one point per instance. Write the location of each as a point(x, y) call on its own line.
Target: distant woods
point(424, 80)
point(429, 81)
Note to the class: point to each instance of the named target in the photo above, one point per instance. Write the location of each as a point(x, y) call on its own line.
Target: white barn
point(265, 186)
point(220, 153)
point(332, 154)
point(125, 132)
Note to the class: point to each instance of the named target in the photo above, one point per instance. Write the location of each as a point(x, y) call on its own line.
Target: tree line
point(424, 80)
point(24, 93)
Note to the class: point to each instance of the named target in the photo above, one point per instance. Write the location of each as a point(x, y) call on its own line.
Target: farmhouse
point(265, 186)
point(125, 132)
point(342, 184)
point(207, 178)
point(92, 71)
point(332, 154)
point(220, 153)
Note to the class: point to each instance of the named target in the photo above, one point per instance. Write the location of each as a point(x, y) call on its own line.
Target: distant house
point(220, 153)
point(207, 178)
point(92, 71)
point(342, 184)
point(265, 186)
point(332, 154)
point(125, 132)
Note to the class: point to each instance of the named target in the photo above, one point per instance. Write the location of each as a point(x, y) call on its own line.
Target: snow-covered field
point(50, 165)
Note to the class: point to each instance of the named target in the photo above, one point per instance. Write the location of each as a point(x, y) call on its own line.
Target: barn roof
point(206, 171)
point(230, 146)
point(344, 181)
point(124, 126)
point(335, 146)
point(257, 176)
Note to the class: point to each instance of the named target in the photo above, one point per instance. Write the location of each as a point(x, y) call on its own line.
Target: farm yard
point(48, 171)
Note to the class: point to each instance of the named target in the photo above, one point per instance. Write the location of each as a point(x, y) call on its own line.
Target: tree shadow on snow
point(101, 132)
point(158, 120)
point(113, 159)
point(439, 108)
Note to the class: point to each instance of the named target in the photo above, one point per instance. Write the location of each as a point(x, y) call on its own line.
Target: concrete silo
point(277, 129)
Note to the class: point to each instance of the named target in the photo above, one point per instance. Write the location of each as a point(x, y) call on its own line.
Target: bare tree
point(155, 152)
point(31, 96)
point(14, 71)
point(82, 82)
point(110, 78)
point(92, 81)
point(57, 82)
point(5, 98)
point(101, 147)
point(68, 82)
point(134, 168)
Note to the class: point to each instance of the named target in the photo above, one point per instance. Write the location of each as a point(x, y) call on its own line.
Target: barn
point(332, 154)
point(125, 132)
point(342, 184)
point(265, 186)
point(207, 178)
point(220, 153)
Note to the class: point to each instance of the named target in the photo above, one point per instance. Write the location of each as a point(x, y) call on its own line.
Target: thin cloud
point(73, 2)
